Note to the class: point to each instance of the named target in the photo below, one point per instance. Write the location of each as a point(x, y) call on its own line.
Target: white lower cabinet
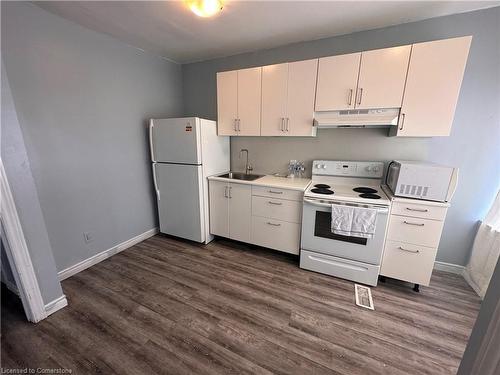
point(279, 209)
point(412, 241)
point(230, 210)
point(240, 209)
point(276, 234)
point(219, 208)
point(414, 230)
point(408, 262)
point(269, 217)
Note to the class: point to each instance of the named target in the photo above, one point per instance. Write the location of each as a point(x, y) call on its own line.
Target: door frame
point(19, 256)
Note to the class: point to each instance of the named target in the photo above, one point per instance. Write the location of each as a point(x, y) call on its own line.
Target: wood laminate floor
point(174, 307)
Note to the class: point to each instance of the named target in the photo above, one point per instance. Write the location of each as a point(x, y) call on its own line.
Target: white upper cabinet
point(288, 98)
point(422, 79)
point(249, 99)
point(274, 99)
point(227, 102)
point(337, 82)
point(371, 79)
point(382, 77)
point(238, 102)
point(432, 88)
point(301, 91)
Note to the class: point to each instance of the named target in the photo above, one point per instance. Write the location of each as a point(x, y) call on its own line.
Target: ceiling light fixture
point(205, 8)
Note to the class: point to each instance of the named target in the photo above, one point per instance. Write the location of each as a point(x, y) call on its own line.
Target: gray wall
point(472, 146)
point(18, 170)
point(82, 100)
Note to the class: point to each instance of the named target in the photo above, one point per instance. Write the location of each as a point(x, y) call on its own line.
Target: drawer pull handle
point(275, 203)
point(417, 224)
point(417, 209)
point(274, 224)
point(275, 192)
point(409, 251)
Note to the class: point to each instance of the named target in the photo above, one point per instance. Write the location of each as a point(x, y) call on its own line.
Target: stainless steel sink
point(241, 176)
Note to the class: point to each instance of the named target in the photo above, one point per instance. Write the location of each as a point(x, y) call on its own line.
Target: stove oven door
point(318, 237)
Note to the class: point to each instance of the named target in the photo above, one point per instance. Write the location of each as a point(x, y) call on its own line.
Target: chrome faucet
point(248, 166)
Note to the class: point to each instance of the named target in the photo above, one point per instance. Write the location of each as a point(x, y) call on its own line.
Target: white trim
point(97, 258)
point(449, 267)
point(56, 305)
point(19, 257)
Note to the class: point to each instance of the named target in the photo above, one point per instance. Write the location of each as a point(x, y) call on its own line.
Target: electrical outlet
point(88, 236)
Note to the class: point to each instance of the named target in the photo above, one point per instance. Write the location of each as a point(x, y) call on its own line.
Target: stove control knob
point(368, 169)
point(323, 166)
point(375, 169)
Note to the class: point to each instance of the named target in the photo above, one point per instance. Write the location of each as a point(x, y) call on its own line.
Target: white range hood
point(357, 118)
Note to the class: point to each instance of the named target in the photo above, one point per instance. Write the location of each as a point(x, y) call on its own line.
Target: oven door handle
point(329, 205)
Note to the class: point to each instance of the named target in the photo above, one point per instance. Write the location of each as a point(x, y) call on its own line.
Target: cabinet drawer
point(276, 234)
point(408, 262)
point(419, 210)
point(414, 230)
point(271, 192)
point(279, 209)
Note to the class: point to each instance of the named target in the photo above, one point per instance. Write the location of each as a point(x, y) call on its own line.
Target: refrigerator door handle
point(155, 181)
point(151, 126)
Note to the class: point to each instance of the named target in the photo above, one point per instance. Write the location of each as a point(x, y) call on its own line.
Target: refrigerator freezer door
point(175, 140)
point(180, 203)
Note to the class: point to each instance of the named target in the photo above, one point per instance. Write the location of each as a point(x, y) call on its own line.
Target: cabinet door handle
point(225, 192)
point(402, 121)
point(416, 224)
point(239, 124)
point(275, 192)
point(230, 188)
point(417, 209)
point(273, 224)
point(234, 125)
point(349, 100)
point(282, 125)
point(287, 124)
point(275, 203)
point(409, 251)
point(360, 95)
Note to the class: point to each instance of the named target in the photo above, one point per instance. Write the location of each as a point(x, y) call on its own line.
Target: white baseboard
point(56, 305)
point(84, 264)
point(449, 267)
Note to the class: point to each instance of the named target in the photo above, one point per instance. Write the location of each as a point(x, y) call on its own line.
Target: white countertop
point(393, 198)
point(300, 184)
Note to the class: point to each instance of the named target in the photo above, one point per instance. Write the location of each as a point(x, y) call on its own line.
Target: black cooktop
point(322, 191)
point(369, 196)
point(364, 190)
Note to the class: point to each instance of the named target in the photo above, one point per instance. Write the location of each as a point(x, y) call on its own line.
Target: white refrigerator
point(184, 152)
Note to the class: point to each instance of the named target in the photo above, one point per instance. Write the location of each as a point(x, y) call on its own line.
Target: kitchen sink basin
point(241, 176)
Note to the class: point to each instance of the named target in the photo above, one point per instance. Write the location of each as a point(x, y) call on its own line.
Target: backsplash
point(272, 154)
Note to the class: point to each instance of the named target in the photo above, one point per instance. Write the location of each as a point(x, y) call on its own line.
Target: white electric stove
point(349, 183)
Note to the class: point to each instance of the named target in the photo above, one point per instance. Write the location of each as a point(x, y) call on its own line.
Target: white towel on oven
point(353, 221)
point(342, 219)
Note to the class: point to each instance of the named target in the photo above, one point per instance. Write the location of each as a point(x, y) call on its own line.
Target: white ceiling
point(169, 29)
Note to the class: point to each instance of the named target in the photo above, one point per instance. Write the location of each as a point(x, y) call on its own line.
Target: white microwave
point(420, 180)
